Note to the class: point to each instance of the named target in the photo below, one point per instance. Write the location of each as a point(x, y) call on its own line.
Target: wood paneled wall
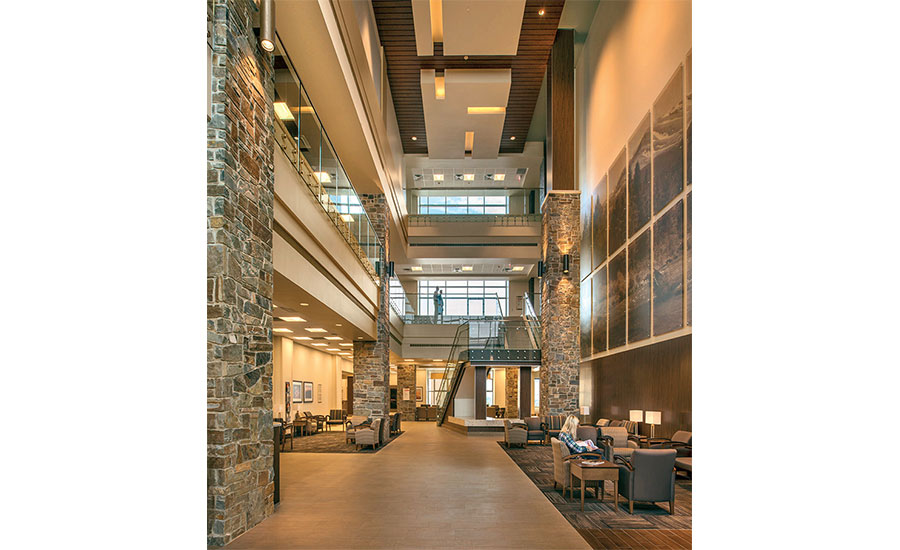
point(655, 377)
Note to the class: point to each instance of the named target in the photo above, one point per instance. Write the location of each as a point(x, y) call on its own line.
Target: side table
point(606, 471)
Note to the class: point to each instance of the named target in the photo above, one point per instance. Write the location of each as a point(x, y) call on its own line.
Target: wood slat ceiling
point(398, 37)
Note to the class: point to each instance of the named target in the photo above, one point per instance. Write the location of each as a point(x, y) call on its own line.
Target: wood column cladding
point(524, 392)
point(561, 112)
point(480, 392)
point(650, 378)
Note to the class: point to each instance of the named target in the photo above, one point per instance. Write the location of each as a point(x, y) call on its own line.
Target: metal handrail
point(450, 372)
point(423, 220)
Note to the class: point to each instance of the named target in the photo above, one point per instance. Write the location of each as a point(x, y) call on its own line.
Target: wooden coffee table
point(607, 471)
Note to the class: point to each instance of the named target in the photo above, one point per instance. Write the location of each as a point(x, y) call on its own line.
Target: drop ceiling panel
point(482, 27)
point(447, 120)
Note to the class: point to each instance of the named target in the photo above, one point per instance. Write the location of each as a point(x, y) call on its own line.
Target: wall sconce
point(565, 264)
point(654, 418)
point(390, 272)
point(540, 269)
point(267, 25)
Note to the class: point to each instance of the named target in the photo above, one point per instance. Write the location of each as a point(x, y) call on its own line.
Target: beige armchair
point(352, 423)
point(561, 466)
point(514, 433)
point(614, 442)
point(370, 435)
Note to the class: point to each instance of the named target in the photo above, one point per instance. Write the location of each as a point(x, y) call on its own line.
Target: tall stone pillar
point(560, 294)
point(371, 366)
point(561, 236)
point(406, 380)
point(512, 392)
point(240, 198)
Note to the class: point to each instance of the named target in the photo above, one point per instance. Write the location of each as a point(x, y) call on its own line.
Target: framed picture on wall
point(297, 394)
point(287, 400)
point(420, 393)
point(307, 392)
point(319, 393)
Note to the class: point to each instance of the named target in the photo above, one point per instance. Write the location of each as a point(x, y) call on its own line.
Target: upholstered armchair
point(535, 431)
point(336, 417)
point(317, 421)
point(491, 411)
point(561, 466)
point(649, 476)
point(351, 425)
point(432, 412)
point(551, 425)
point(614, 442)
point(421, 413)
point(514, 433)
point(395, 423)
point(681, 442)
point(369, 435)
point(587, 432)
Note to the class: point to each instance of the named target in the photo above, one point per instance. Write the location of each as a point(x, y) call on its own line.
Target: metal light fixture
point(390, 272)
point(267, 25)
point(540, 269)
point(565, 264)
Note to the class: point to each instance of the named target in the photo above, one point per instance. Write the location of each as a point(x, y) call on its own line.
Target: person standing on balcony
point(436, 297)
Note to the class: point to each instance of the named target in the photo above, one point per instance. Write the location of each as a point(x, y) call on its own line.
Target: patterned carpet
point(599, 523)
point(329, 442)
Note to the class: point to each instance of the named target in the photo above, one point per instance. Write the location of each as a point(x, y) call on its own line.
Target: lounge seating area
point(357, 434)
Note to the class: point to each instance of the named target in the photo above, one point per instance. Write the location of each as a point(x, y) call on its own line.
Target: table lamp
point(653, 418)
point(636, 416)
point(585, 411)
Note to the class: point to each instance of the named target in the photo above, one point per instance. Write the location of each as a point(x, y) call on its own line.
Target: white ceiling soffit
point(422, 22)
point(447, 120)
point(482, 27)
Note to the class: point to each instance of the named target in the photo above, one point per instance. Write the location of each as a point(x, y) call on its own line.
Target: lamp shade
point(653, 417)
point(585, 410)
point(636, 416)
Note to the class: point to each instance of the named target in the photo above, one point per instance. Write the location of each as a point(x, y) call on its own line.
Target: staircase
point(495, 342)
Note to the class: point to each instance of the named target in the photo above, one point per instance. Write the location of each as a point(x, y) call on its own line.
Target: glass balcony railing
point(424, 220)
point(300, 134)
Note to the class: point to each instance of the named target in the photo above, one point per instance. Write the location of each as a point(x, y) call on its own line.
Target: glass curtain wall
point(472, 297)
point(471, 204)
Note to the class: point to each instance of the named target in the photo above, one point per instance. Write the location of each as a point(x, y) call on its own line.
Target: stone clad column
point(240, 197)
point(560, 294)
point(371, 366)
point(406, 379)
point(512, 392)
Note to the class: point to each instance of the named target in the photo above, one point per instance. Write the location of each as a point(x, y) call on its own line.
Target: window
point(537, 394)
point(490, 389)
point(471, 297)
point(455, 205)
point(433, 392)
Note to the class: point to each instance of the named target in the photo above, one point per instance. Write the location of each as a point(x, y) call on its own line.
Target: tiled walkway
point(431, 488)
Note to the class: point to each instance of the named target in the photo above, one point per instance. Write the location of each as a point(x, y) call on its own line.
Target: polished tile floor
point(431, 488)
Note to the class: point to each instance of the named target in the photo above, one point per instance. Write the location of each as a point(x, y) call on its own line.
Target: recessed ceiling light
point(439, 177)
point(541, 11)
point(347, 218)
point(283, 111)
point(316, 329)
point(467, 268)
point(333, 338)
point(468, 177)
point(346, 344)
point(414, 138)
point(439, 89)
point(303, 304)
point(345, 353)
point(332, 349)
point(409, 360)
point(319, 344)
point(324, 177)
point(486, 110)
point(293, 319)
point(499, 177)
point(359, 337)
point(512, 138)
point(437, 360)
point(518, 268)
point(282, 330)
point(301, 337)
point(274, 306)
point(416, 268)
point(338, 325)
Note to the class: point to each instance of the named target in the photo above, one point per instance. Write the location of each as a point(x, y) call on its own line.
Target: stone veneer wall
point(560, 294)
point(240, 198)
point(406, 378)
point(512, 392)
point(371, 367)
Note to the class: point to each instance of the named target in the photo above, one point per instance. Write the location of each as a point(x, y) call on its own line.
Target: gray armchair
point(370, 435)
point(535, 431)
point(561, 466)
point(649, 476)
point(681, 442)
point(615, 442)
point(514, 433)
point(586, 432)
